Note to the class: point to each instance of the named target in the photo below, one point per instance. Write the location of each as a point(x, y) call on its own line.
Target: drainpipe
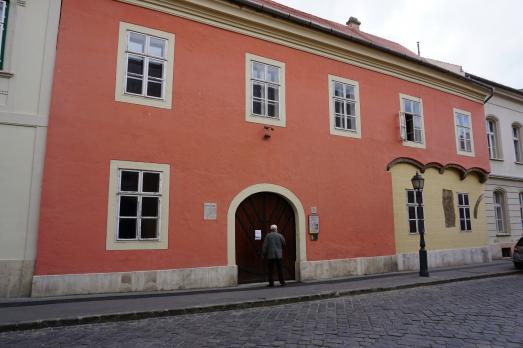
point(492, 89)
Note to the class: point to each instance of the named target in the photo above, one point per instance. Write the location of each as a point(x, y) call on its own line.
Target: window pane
point(129, 181)
point(258, 71)
point(272, 109)
point(135, 65)
point(420, 212)
point(258, 90)
point(412, 212)
point(460, 199)
point(416, 108)
point(128, 206)
point(407, 104)
point(338, 89)
point(272, 92)
point(273, 74)
point(410, 196)
point(149, 228)
point(416, 121)
point(150, 206)
point(349, 92)
point(156, 69)
point(462, 225)
point(154, 89)
point(157, 47)
point(467, 213)
point(351, 123)
point(412, 226)
point(351, 109)
point(257, 107)
point(134, 86)
point(151, 182)
point(469, 225)
point(337, 120)
point(466, 199)
point(136, 43)
point(127, 229)
point(339, 107)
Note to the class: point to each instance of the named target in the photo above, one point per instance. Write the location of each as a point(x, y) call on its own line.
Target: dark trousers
point(279, 268)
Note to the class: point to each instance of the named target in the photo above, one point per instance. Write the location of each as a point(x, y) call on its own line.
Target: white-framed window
point(138, 206)
point(415, 211)
point(516, 139)
point(463, 129)
point(344, 107)
point(265, 91)
point(500, 209)
point(494, 148)
point(144, 66)
point(412, 130)
point(464, 212)
point(4, 12)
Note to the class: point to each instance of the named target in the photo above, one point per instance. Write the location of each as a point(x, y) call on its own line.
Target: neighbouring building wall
point(25, 91)
point(506, 176)
point(445, 242)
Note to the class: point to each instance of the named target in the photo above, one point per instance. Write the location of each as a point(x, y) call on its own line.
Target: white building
point(28, 43)
point(504, 189)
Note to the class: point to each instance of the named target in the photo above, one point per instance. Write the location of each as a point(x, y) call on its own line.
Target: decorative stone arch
point(299, 215)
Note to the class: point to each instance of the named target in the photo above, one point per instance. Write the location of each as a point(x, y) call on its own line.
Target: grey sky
point(483, 36)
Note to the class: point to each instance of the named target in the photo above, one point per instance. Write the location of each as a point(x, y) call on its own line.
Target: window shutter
point(403, 126)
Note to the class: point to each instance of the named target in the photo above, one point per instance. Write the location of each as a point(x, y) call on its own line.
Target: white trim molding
point(112, 243)
point(405, 142)
point(121, 64)
point(355, 133)
point(280, 120)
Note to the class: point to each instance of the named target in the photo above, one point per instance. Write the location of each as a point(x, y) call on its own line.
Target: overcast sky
point(485, 37)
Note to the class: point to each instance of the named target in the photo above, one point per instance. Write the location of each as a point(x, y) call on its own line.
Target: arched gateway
point(256, 208)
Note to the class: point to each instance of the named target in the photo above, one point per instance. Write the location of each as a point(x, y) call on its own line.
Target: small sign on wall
point(257, 234)
point(209, 211)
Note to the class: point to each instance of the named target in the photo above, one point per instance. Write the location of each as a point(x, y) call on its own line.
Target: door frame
point(299, 218)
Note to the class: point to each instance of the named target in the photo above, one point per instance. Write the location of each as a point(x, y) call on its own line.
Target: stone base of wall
point(340, 268)
point(15, 277)
point(172, 279)
point(495, 249)
point(445, 258)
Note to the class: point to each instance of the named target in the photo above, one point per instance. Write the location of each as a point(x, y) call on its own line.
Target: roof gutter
point(330, 30)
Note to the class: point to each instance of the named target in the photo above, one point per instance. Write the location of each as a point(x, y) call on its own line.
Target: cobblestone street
point(480, 313)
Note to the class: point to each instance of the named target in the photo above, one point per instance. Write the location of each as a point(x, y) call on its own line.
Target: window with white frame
point(344, 107)
point(4, 11)
point(494, 149)
point(138, 206)
point(265, 91)
point(464, 139)
point(516, 138)
point(411, 121)
point(464, 212)
point(415, 210)
point(144, 66)
point(500, 209)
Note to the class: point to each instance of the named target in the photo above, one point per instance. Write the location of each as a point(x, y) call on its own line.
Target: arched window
point(494, 148)
point(500, 209)
point(516, 138)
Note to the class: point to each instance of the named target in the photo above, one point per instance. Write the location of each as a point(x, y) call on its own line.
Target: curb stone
point(128, 316)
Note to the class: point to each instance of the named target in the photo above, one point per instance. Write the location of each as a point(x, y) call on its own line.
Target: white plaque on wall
point(257, 234)
point(209, 211)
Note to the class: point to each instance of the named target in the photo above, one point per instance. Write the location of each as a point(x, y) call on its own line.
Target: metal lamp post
point(417, 183)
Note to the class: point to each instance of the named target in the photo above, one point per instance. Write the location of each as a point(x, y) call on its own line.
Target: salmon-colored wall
point(213, 152)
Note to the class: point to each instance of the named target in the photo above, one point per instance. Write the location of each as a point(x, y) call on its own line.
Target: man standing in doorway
point(272, 250)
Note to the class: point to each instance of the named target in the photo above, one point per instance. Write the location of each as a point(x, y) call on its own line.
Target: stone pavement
point(34, 313)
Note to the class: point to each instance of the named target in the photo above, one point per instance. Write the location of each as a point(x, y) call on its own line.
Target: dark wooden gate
point(258, 212)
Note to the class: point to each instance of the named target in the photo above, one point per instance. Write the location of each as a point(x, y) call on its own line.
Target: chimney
point(353, 23)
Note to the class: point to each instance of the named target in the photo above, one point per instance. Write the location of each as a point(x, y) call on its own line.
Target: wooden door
point(258, 212)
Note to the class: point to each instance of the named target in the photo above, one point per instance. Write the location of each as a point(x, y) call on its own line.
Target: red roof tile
point(358, 34)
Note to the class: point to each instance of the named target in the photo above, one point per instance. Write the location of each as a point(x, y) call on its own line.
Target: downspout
point(492, 89)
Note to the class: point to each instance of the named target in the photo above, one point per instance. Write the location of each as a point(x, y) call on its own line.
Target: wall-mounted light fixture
point(268, 131)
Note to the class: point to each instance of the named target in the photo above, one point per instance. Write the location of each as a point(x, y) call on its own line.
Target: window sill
point(465, 153)
point(271, 121)
point(519, 163)
point(496, 159)
point(414, 144)
point(503, 235)
point(6, 75)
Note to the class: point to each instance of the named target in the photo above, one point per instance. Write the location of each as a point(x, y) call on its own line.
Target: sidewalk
point(34, 313)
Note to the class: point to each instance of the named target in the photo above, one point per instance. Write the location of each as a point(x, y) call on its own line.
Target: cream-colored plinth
point(15, 277)
point(172, 279)
point(340, 268)
point(445, 258)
